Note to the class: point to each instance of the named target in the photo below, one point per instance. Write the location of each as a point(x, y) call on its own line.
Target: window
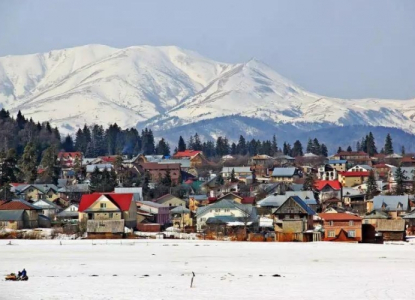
point(332, 234)
point(103, 205)
point(351, 233)
point(331, 223)
point(227, 210)
point(217, 210)
point(111, 215)
point(50, 196)
point(366, 221)
point(351, 223)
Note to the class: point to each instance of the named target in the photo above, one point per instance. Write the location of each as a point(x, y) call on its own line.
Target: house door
point(89, 216)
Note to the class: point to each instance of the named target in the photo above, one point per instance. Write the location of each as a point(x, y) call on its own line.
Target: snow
point(224, 270)
point(166, 87)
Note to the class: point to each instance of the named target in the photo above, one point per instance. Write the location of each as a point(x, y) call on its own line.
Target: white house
point(327, 172)
point(360, 168)
point(69, 214)
point(227, 211)
point(49, 209)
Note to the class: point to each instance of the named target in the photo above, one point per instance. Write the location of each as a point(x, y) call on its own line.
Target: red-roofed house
point(19, 214)
point(330, 192)
point(158, 171)
point(196, 157)
point(67, 159)
point(351, 179)
point(108, 213)
point(342, 227)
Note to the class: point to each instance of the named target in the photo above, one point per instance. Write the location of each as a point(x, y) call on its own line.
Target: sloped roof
point(305, 195)
point(180, 210)
point(151, 203)
point(353, 174)
point(187, 153)
point(352, 153)
point(18, 205)
point(339, 217)
point(272, 201)
point(43, 203)
point(376, 214)
point(303, 205)
point(337, 161)
point(410, 215)
point(76, 188)
point(248, 200)
point(91, 168)
point(224, 203)
point(166, 198)
point(390, 203)
point(237, 169)
point(160, 166)
point(390, 225)
point(366, 167)
point(11, 215)
point(122, 201)
point(283, 172)
point(44, 188)
point(69, 154)
point(320, 184)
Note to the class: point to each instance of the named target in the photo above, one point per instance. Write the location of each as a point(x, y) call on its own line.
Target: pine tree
point(324, 150)
point(166, 180)
point(274, 146)
point(358, 147)
point(316, 147)
point(220, 180)
point(310, 146)
point(297, 149)
point(28, 163)
point(146, 185)
point(349, 149)
point(9, 170)
point(372, 187)
point(48, 163)
point(163, 148)
point(309, 182)
point(67, 145)
point(241, 146)
point(370, 145)
point(233, 178)
point(233, 149)
point(197, 145)
point(403, 150)
point(339, 150)
point(388, 145)
point(399, 179)
point(182, 145)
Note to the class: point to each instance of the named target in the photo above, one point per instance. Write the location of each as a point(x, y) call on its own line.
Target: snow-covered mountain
point(171, 89)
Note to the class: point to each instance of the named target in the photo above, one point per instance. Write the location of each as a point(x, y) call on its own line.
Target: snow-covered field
point(161, 269)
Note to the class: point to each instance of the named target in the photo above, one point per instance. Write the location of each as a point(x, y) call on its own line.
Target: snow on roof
point(283, 172)
point(390, 203)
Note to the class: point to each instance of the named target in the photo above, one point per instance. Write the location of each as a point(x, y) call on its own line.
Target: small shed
point(391, 230)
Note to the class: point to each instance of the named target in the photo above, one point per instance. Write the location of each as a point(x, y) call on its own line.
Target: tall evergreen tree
point(67, 144)
point(399, 179)
point(234, 149)
point(308, 182)
point(163, 148)
point(316, 147)
point(370, 144)
point(241, 146)
point(297, 149)
point(372, 187)
point(324, 150)
point(349, 149)
point(388, 145)
point(28, 163)
point(274, 146)
point(50, 173)
point(403, 150)
point(182, 145)
point(310, 146)
point(197, 145)
point(339, 150)
point(9, 170)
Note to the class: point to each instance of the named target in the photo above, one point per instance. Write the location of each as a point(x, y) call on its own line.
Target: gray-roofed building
point(180, 217)
point(240, 172)
point(395, 206)
point(49, 209)
point(285, 174)
point(273, 201)
point(408, 176)
point(69, 214)
point(170, 201)
point(100, 167)
point(12, 219)
point(34, 192)
point(136, 191)
point(296, 217)
point(226, 208)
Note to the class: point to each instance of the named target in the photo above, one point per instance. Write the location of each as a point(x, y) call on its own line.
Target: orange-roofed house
point(107, 213)
point(196, 157)
point(67, 159)
point(351, 179)
point(341, 227)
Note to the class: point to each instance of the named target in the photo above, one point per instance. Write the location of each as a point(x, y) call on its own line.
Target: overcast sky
point(350, 49)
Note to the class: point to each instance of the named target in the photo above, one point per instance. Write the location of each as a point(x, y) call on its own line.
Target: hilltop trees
point(388, 149)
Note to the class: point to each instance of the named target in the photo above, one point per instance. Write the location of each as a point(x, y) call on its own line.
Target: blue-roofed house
point(307, 196)
point(394, 206)
point(294, 217)
point(286, 174)
point(339, 164)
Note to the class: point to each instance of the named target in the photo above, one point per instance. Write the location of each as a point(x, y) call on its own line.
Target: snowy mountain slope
point(99, 84)
point(170, 89)
point(256, 91)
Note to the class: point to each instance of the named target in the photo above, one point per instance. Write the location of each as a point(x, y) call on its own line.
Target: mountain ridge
point(168, 88)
